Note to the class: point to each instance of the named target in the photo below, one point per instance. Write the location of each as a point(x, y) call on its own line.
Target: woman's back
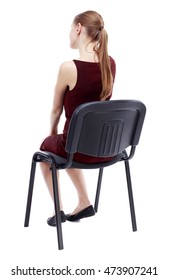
point(87, 87)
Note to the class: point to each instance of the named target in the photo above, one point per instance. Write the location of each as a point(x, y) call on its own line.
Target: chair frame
point(56, 162)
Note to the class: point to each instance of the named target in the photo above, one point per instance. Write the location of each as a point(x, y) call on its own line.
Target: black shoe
point(85, 213)
point(52, 220)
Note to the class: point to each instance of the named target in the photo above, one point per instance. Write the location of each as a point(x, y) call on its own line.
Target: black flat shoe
point(52, 220)
point(85, 213)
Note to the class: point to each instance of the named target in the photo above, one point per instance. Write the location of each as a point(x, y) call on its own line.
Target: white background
point(34, 40)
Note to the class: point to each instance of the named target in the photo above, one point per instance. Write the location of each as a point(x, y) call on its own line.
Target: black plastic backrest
point(105, 128)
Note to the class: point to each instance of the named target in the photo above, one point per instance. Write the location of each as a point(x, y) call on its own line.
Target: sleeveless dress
point(87, 89)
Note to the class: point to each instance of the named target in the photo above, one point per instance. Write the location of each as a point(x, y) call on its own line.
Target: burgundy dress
point(87, 89)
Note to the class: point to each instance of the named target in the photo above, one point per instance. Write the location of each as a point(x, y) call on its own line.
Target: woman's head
point(93, 24)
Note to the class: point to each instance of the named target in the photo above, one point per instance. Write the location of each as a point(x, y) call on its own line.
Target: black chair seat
point(60, 162)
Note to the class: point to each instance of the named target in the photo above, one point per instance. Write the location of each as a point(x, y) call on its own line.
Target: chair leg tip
point(26, 224)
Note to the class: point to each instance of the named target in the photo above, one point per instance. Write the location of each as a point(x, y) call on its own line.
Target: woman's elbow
point(57, 111)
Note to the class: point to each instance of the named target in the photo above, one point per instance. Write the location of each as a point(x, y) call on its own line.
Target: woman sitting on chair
point(86, 79)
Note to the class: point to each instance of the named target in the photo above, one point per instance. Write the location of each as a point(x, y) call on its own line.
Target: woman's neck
point(87, 53)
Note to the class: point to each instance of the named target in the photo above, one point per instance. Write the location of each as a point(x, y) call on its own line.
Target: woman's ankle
point(81, 206)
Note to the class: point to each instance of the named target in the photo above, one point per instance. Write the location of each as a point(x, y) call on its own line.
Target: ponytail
point(101, 49)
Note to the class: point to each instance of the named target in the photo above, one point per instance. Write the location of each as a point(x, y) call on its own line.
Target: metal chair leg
point(57, 207)
point(30, 192)
point(130, 194)
point(99, 182)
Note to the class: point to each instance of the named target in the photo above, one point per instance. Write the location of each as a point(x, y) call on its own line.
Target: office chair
point(99, 129)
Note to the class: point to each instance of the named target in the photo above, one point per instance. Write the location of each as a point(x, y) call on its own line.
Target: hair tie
point(101, 27)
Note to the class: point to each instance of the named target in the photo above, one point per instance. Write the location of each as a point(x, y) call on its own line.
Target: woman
point(89, 78)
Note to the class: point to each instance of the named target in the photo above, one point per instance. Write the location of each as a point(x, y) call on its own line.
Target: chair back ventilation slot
point(110, 138)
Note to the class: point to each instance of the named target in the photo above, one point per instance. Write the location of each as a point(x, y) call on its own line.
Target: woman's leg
point(77, 177)
point(47, 174)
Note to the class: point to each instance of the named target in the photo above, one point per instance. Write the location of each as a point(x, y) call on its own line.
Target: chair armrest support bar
point(131, 154)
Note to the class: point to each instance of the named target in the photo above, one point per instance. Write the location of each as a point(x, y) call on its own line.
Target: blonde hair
point(94, 24)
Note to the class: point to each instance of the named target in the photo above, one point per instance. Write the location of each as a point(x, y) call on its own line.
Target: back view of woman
point(86, 79)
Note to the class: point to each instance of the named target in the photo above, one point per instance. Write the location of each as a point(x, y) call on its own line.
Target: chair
point(102, 129)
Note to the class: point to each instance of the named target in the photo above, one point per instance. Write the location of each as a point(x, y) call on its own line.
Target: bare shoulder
point(67, 67)
point(68, 72)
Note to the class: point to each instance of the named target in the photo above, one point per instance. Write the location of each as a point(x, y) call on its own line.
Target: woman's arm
point(57, 108)
point(64, 79)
